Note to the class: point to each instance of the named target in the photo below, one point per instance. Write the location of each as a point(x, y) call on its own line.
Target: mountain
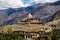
point(57, 15)
point(56, 3)
point(45, 12)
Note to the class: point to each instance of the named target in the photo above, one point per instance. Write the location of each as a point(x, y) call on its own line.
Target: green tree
point(55, 34)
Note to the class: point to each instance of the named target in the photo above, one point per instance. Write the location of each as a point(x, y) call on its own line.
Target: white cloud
point(18, 3)
point(44, 1)
point(11, 3)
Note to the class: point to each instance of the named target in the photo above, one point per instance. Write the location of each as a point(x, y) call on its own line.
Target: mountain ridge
point(45, 12)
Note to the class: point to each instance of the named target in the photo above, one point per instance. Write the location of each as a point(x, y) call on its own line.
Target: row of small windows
point(53, 26)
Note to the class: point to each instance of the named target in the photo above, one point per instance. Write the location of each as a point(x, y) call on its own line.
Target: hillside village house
point(54, 24)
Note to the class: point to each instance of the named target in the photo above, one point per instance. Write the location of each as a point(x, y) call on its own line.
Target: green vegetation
point(55, 35)
point(13, 36)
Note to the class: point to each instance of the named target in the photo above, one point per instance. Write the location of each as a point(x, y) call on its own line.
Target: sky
point(4, 4)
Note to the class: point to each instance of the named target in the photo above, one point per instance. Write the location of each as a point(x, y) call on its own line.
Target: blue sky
point(30, 2)
point(21, 3)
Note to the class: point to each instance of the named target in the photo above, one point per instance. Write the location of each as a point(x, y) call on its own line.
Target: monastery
point(31, 29)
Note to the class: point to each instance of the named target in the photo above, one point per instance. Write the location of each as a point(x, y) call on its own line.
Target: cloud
point(44, 1)
point(11, 3)
point(21, 3)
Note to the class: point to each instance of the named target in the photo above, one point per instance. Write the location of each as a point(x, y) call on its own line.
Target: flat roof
point(27, 28)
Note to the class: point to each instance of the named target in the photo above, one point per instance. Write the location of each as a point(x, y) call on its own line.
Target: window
point(52, 26)
point(55, 26)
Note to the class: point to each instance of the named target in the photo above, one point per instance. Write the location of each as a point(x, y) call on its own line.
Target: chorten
point(29, 16)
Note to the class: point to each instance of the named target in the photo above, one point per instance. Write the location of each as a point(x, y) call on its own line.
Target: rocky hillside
point(45, 12)
point(57, 15)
